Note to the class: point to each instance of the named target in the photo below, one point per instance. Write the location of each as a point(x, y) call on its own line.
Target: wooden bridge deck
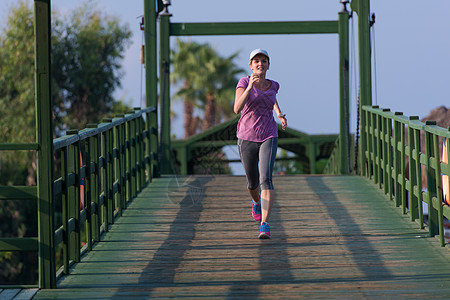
point(194, 237)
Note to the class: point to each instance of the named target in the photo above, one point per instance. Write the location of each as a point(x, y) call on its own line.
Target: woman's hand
point(253, 78)
point(283, 120)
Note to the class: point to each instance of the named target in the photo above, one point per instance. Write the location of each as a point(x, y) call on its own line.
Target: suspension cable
point(354, 83)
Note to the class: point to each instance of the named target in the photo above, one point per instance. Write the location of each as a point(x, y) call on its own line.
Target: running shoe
point(264, 231)
point(256, 211)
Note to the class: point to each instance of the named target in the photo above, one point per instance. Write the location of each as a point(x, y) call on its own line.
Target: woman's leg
point(248, 152)
point(254, 194)
point(267, 154)
point(267, 198)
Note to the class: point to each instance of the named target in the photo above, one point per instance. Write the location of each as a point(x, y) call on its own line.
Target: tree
point(85, 74)
point(286, 166)
point(17, 116)
point(185, 68)
point(216, 83)
point(209, 82)
point(86, 55)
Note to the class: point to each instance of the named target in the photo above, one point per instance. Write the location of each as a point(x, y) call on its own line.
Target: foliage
point(18, 219)
point(87, 49)
point(17, 116)
point(86, 55)
point(209, 82)
point(292, 166)
point(285, 166)
point(185, 67)
point(211, 163)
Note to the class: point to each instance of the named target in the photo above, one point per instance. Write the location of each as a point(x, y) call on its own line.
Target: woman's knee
point(252, 185)
point(266, 183)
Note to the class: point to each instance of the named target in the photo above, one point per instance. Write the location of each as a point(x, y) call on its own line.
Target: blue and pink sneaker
point(264, 231)
point(256, 210)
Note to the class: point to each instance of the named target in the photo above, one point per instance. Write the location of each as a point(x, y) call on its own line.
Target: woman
point(257, 134)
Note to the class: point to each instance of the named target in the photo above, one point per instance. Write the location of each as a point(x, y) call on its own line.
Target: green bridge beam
point(362, 8)
point(250, 28)
point(344, 88)
point(151, 79)
point(164, 71)
point(44, 133)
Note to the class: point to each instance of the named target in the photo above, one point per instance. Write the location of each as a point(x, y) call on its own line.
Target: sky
point(410, 47)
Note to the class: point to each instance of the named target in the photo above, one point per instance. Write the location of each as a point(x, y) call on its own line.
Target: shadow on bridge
point(332, 236)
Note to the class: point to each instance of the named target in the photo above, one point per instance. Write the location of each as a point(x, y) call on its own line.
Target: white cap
point(258, 51)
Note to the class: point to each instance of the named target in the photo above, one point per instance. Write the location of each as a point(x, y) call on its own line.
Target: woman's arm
point(242, 94)
point(280, 115)
point(240, 99)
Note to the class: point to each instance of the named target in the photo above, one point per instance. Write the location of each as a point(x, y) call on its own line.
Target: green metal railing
point(113, 161)
point(398, 155)
point(333, 164)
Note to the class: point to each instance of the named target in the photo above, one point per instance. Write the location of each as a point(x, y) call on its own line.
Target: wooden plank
point(26, 294)
point(7, 294)
point(332, 236)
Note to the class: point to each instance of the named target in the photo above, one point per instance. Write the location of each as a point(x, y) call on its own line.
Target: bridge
point(136, 228)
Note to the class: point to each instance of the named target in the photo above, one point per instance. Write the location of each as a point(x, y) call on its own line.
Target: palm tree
point(185, 69)
point(209, 83)
point(216, 86)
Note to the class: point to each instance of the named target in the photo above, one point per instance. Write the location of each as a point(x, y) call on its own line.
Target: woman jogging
point(257, 134)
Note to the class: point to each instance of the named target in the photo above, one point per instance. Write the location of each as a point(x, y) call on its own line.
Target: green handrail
point(333, 164)
point(114, 161)
point(397, 161)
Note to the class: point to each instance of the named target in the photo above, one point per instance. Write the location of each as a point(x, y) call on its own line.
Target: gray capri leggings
point(253, 152)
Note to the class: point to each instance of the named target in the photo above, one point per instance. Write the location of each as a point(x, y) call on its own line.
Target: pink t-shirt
point(257, 123)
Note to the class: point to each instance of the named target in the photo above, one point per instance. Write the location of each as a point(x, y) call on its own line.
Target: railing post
point(403, 166)
point(109, 172)
point(398, 159)
point(74, 196)
point(84, 164)
point(133, 151)
point(411, 168)
point(104, 183)
point(141, 162)
point(128, 159)
point(389, 153)
point(65, 209)
point(379, 152)
point(437, 198)
point(123, 164)
point(94, 182)
point(368, 131)
point(344, 92)
point(433, 218)
point(117, 169)
point(151, 94)
point(119, 141)
point(416, 208)
point(44, 134)
point(374, 145)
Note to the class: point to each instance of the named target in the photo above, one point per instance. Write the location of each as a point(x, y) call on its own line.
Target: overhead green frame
point(247, 28)
point(168, 29)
